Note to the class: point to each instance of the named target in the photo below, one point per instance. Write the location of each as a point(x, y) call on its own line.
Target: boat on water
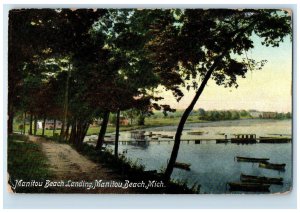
point(273, 166)
point(244, 139)
point(260, 179)
point(185, 166)
point(222, 140)
point(274, 140)
point(196, 133)
point(254, 160)
point(249, 187)
point(167, 136)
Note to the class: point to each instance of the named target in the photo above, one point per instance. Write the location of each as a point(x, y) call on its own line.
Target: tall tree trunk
point(54, 127)
point(102, 130)
point(62, 132)
point(84, 129)
point(189, 109)
point(24, 124)
point(35, 125)
point(73, 132)
point(30, 124)
point(67, 131)
point(44, 124)
point(117, 133)
point(65, 105)
point(78, 133)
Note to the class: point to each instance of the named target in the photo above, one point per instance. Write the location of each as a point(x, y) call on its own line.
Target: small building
point(269, 115)
point(124, 121)
point(96, 122)
point(49, 124)
point(255, 114)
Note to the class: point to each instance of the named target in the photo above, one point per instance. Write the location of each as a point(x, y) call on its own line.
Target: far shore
point(149, 123)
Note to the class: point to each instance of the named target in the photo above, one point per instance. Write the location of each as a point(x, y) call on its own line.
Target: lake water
point(213, 165)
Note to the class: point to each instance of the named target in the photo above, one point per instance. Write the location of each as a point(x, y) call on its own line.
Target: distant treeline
point(287, 115)
point(217, 115)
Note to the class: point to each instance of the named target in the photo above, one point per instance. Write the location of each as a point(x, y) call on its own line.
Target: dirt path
point(67, 164)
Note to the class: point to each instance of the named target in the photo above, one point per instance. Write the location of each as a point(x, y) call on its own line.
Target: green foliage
point(214, 115)
point(118, 56)
point(141, 120)
point(200, 37)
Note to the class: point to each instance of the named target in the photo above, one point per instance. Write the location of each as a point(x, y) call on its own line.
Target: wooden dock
point(197, 141)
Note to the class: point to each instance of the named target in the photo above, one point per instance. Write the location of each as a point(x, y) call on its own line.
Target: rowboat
point(254, 160)
point(222, 140)
point(185, 166)
point(272, 166)
point(260, 179)
point(196, 133)
point(167, 136)
point(274, 140)
point(250, 187)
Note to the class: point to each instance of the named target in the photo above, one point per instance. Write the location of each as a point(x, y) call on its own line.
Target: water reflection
point(213, 165)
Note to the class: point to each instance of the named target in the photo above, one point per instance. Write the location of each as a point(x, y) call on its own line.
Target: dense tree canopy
point(208, 43)
point(82, 64)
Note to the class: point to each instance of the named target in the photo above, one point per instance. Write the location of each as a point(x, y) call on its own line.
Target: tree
point(45, 34)
point(227, 115)
point(125, 76)
point(244, 113)
point(235, 115)
point(26, 39)
point(202, 113)
point(131, 114)
point(76, 27)
point(206, 43)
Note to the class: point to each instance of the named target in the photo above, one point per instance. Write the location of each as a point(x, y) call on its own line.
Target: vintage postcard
point(150, 101)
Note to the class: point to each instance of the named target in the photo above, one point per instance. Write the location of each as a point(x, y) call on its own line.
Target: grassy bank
point(149, 122)
point(26, 162)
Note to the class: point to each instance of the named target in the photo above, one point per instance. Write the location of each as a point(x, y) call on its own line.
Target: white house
point(255, 114)
point(49, 124)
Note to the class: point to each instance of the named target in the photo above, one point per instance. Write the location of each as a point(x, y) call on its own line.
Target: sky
point(269, 89)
